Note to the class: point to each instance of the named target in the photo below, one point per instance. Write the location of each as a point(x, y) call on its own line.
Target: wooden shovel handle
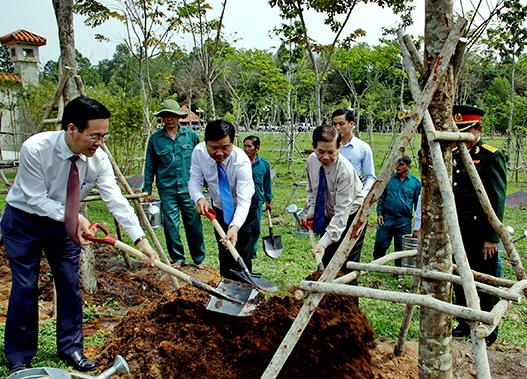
point(109, 239)
point(211, 215)
point(309, 227)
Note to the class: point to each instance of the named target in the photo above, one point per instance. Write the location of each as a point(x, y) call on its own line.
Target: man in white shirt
point(343, 194)
point(34, 221)
point(208, 158)
point(354, 149)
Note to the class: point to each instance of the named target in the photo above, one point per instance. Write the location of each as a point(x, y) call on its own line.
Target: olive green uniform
point(168, 161)
point(474, 225)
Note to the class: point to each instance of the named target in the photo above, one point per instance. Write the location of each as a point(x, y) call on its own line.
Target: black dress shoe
point(79, 362)
point(460, 332)
point(490, 339)
point(18, 368)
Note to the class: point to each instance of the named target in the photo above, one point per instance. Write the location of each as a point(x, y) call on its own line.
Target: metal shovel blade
point(272, 246)
point(256, 280)
point(246, 294)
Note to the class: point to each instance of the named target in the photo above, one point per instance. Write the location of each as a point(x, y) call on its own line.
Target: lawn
point(295, 263)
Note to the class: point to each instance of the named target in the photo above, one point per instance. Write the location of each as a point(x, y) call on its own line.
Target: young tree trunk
point(436, 252)
point(64, 16)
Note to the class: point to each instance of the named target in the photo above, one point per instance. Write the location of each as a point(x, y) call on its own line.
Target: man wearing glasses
point(395, 210)
point(57, 170)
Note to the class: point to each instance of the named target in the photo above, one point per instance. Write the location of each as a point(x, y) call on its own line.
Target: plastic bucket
point(409, 243)
point(153, 213)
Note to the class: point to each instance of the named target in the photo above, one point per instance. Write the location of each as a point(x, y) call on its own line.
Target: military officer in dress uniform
point(479, 237)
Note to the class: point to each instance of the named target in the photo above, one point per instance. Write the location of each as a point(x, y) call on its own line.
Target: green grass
point(296, 262)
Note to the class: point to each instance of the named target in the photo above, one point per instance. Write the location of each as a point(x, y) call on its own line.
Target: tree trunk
point(64, 16)
point(436, 252)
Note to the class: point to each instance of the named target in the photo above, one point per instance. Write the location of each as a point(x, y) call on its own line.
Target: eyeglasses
point(98, 137)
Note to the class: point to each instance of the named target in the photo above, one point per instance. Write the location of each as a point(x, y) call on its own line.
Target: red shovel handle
point(210, 213)
point(109, 239)
point(307, 224)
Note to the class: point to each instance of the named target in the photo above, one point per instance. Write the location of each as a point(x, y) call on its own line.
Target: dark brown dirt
point(163, 333)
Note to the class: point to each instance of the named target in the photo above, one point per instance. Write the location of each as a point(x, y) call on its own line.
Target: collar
point(65, 151)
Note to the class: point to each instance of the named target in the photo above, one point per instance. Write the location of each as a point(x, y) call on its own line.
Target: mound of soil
point(176, 337)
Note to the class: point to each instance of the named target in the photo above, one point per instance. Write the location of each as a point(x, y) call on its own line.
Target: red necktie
point(71, 217)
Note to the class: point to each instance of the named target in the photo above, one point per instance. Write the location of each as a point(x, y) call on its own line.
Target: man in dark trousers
point(395, 209)
point(40, 216)
point(167, 159)
point(227, 170)
point(333, 184)
point(479, 237)
point(262, 185)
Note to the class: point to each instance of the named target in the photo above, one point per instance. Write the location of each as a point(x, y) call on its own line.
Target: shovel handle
point(211, 215)
point(109, 239)
point(318, 258)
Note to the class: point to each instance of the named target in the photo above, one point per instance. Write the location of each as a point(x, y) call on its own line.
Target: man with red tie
point(52, 167)
point(228, 173)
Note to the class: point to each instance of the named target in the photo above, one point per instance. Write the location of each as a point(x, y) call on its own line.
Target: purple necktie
point(319, 225)
point(71, 217)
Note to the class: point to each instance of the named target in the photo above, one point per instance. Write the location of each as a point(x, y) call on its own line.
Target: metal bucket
point(153, 213)
point(409, 243)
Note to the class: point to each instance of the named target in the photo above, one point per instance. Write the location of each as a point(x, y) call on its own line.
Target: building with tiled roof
point(23, 52)
point(23, 37)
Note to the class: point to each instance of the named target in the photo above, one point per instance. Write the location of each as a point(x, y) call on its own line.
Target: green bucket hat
point(170, 106)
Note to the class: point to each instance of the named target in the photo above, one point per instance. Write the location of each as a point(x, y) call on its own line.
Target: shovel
point(318, 258)
point(240, 299)
point(272, 244)
point(244, 274)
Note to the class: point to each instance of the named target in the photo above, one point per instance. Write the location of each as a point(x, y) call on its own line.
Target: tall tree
point(64, 16)
point(6, 65)
point(208, 44)
point(508, 38)
point(149, 26)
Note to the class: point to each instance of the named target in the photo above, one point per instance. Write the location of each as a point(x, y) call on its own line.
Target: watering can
point(55, 373)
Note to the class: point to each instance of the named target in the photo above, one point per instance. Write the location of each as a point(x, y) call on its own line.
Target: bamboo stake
point(58, 93)
point(140, 213)
point(360, 221)
point(434, 275)
point(400, 297)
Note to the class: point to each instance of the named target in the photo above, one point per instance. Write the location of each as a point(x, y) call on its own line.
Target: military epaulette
point(490, 148)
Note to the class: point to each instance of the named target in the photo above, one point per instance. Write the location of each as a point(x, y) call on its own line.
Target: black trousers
point(243, 244)
point(25, 237)
point(354, 255)
point(473, 241)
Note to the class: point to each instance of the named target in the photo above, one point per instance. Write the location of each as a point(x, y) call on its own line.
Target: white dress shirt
point(238, 168)
point(344, 194)
point(41, 181)
point(360, 155)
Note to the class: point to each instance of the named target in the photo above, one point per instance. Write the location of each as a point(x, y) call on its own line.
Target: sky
point(249, 21)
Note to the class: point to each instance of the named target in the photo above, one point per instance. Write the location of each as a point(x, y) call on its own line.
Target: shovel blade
point(256, 280)
point(240, 291)
point(272, 246)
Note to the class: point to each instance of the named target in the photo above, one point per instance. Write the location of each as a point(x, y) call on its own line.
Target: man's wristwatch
point(139, 240)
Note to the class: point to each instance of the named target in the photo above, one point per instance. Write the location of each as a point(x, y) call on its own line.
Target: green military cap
point(170, 106)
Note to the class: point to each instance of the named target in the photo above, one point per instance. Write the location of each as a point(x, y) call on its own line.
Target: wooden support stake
point(58, 93)
point(399, 297)
point(362, 218)
point(141, 214)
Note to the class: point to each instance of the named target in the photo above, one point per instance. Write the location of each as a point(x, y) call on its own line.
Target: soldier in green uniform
point(479, 238)
point(167, 159)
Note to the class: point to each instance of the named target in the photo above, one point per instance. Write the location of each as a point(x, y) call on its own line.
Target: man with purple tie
point(38, 207)
point(335, 190)
point(227, 171)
